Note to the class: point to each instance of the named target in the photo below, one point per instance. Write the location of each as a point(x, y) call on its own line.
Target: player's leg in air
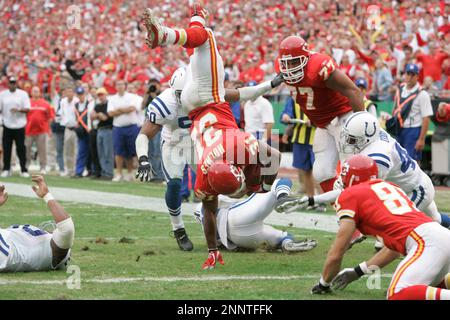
point(246, 227)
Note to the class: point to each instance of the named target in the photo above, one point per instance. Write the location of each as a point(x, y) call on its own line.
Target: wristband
point(266, 187)
point(361, 269)
point(48, 197)
point(324, 283)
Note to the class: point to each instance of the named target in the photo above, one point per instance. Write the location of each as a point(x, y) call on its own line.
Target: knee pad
point(173, 196)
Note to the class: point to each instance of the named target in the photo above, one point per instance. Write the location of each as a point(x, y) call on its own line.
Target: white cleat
point(288, 204)
point(290, 245)
point(155, 29)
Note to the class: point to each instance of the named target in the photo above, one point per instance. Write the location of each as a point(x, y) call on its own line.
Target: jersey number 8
point(393, 198)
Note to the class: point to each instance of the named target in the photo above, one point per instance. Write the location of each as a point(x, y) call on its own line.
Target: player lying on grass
point(362, 134)
point(214, 130)
point(28, 248)
point(165, 111)
point(240, 223)
point(379, 208)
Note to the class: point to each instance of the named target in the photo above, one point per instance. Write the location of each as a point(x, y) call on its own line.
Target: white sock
point(445, 294)
point(177, 222)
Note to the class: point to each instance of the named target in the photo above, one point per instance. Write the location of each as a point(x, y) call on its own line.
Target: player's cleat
point(379, 244)
point(214, 256)
point(357, 237)
point(290, 245)
point(198, 10)
point(184, 243)
point(288, 204)
point(155, 29)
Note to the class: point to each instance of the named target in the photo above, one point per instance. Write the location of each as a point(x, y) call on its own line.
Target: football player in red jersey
point(380, 208)
point(214, 130)
point(326, 95)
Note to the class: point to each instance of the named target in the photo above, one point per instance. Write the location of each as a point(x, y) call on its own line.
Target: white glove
point(344, 278)
point(338, 184)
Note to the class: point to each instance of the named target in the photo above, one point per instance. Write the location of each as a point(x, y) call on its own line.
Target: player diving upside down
point(28, 248)
point(166, 112)
point(214, 131)
point(379, 208)
point(240, 223)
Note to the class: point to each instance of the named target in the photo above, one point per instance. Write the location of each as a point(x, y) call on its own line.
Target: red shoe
point(198, 10)
point(357, 237)
point(155, 32)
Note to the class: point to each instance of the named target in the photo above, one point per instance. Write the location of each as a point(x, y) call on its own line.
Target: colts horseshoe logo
point(374, 130)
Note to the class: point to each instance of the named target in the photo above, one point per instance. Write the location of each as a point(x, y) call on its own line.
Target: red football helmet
point(226, 178)
point(293, 57)
point(357, 169)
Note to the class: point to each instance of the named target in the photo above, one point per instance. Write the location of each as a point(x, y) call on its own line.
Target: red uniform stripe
point(417, 254)
point(215, 80)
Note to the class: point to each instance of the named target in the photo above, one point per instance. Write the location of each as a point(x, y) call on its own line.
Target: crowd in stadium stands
point(93, 47)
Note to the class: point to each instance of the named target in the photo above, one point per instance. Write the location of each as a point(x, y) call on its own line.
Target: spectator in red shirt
point(432, 63)
point(37, 128)
point(443, 112)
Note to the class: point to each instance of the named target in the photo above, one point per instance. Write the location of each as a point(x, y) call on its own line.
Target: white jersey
point(204, 77)
point(26, 248)
point(165, 111)
point(394, 163)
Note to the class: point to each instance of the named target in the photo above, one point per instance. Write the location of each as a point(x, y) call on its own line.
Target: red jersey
point(380, 208)
point(38, 117)
point(216, 136)
point(318, 102)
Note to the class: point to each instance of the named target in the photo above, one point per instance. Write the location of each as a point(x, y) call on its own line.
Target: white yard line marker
point(170, 279)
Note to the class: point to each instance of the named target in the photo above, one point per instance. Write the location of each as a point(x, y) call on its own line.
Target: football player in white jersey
point(362, 134)
point(166, 112)
point(28, 248)
point(240, 223)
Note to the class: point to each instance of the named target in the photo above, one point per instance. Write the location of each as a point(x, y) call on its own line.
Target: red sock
point(418, 292)
point(327, 185)
point(195, 36)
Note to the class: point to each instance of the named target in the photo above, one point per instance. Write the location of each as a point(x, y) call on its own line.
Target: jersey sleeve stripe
point(163, 105)
point(3, 241)
point(382, 163)
point(381, 155)
point(154, 104)
point(345, 213)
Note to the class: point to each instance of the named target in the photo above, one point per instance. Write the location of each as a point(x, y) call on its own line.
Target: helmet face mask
point(177, 82)
point(359, 131)
point(293, 68)
point(293, 58)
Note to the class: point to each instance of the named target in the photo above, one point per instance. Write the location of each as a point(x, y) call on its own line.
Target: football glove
point(320, 289)
point(213, 257)
point(145, 171)
point(277, 80)
point(344, 278)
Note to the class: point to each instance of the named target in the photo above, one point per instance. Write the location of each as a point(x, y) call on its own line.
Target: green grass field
point(128, 254)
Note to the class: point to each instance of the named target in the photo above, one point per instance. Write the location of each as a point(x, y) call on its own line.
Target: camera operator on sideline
point(154, 148)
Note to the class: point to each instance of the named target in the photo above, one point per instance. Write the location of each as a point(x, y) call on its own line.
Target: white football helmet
point(360, 129)
point(177, 82)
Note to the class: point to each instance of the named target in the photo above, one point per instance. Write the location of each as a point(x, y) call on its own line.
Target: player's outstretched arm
point(210, 229)
point(251, 93)
point(381, 259)
point(64, 233)
point(339, 81)
point(148, 131)
point(335, 255)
